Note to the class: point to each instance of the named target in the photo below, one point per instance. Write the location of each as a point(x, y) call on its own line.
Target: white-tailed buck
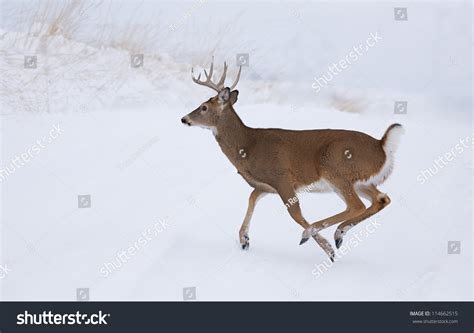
point(285, 162)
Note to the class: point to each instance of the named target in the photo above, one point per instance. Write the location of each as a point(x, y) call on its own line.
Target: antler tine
point(221, 82)
point(211, 69)
point(208, 82)
point(192, 75)
point(236, 79)
point(196, 79)
point(219, 85)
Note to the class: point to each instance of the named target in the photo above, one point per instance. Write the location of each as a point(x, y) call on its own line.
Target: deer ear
point(233, 96)
point(223, 95)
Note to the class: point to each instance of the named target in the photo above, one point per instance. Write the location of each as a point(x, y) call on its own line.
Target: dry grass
point(85, 21)
point(45, 19)
point(346, 104)
point(83, 52)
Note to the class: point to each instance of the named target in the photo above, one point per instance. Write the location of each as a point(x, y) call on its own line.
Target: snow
point(167, 196)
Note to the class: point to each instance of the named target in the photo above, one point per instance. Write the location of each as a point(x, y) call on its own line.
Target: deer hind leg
point(355, 207)
point(244, 229)
point(379, 201)
point(288, 195)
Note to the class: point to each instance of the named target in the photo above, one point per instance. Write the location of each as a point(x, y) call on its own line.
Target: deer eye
point(203, 108)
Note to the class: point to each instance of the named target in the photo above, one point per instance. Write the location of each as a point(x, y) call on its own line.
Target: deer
point(286, 162)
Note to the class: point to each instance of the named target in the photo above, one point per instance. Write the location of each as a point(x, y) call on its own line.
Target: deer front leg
point(244, 229)
point(288, 195)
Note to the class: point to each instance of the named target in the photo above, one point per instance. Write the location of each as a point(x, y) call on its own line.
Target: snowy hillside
point(121, 198)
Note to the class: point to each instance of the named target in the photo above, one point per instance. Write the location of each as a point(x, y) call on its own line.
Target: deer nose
point(185, 121)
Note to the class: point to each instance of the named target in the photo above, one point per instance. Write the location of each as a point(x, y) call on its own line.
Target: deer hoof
point(330, 252)
point(338, 238)
point(303, 240)
point(305, 236)
point(245, 242)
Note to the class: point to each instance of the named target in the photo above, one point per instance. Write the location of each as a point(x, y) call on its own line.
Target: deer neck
point(232, 134)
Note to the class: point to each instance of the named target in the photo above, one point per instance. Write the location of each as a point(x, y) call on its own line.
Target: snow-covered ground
point(166, 194)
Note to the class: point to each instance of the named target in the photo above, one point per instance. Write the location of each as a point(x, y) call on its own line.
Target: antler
point(220, 84)
point(236, 79)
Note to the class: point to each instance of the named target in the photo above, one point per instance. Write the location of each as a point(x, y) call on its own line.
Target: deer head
point(207, 115)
